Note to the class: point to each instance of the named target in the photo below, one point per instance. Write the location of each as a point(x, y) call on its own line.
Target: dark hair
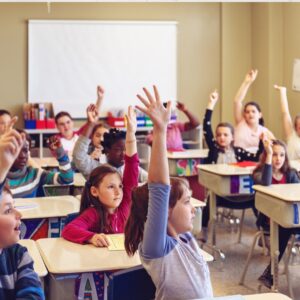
point(261, 120)
point(134, 229)
point(4, 112)
point(296, 121)
point(286, 165)
point(111, 137)
point(62, 114)
point(97, 126)
point(88, 200)
point(27, 136)
point(226, 124)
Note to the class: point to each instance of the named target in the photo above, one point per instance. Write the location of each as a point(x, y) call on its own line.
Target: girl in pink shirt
point(106, 198)
point(248, 120)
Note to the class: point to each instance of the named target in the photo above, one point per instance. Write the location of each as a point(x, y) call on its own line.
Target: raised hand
point(213, 99)
point(282, 89)
point(131, 121)
point(100, 96)
point(153, 107)
point(251, 76)
point(181, 106)
point(54, 143)
point(92, 114)
point(11, 143)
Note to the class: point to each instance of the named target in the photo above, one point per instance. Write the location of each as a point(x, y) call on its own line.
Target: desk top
point(192, 153)
point(267, 296)
point(47, 207)
point(225, 170)
point(46, 162)
point(285, 192)
point(61, 256)
point(79, 180)
point(33, 250)
point(197, 203)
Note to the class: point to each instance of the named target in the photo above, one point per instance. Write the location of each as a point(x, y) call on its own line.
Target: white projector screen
point(68, 59)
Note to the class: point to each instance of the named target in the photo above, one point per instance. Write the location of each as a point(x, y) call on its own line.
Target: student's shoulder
point(16, 251)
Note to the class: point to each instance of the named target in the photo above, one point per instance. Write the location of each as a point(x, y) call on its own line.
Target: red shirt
point(281, 181)
point(81, 229)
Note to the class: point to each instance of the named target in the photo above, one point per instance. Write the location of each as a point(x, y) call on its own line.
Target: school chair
point(57, 190)
point(261, 234)
point(130, 284)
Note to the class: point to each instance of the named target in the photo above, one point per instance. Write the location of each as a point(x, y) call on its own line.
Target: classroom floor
point(225, 279)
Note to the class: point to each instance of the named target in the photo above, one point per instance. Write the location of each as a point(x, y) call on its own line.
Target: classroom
point(217, 47)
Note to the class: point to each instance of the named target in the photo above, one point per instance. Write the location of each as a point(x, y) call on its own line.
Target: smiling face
point(109, 191)
point(65, 126)
point(278, 157)
point(181, 216)
point(10, 221)
point(252, 114)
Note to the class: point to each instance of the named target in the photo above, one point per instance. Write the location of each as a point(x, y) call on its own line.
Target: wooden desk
point(38, 265)
point(184, 163)
point(46, 162)
point(267, 296)
point(277, 202)
point(224, 180)
point(79, 180)
point(45, 216)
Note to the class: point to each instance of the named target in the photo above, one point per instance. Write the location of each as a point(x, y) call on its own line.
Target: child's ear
point(94, 191)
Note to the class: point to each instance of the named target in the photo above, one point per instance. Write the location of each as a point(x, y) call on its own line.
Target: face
point(278, 157)
point(251, 114)
point(297, 127)
point(22, 159)
point(181, 216)
point(109, 191)
point(115, 155)
point(224, 137)
point(98, 136)
point(65, 126)
point(10, 221)
point(4, 122)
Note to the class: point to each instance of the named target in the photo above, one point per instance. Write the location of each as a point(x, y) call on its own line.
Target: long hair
point(286, 165)
point(261, 120)
point(134, 229)
point(88, 200)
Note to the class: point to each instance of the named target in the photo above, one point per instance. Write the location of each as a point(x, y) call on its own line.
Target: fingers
point(12, 123)
point(156, 93)
point(101, 240)
point(142, 109)
point(149, 96)
point(144, 101)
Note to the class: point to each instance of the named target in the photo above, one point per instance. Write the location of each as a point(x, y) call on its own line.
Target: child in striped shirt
point(27, 182)
point(17, 277)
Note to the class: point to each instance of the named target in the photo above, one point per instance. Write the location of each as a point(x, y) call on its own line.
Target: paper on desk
point(24, 206)
point(116, 242)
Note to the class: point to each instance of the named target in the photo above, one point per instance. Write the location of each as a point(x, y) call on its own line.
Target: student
point(17, 277)
point(222, 151)
point(27, 182)
point(174, 138)
point(95, 147)
point(105, 202)
point(113, 147)
point(5, 118)
point(274, 168)
point(292, 132)
point(160, 220)
point(248, 120)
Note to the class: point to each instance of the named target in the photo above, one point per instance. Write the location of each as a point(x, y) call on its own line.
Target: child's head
point(280, 160)
point(104, 191)
point(5, 118)
point(10, 220)
point(114, 147)
point(252, 114)
point(97, 134)
point(297, 124)
point(22, 159)
point(64, 123)
point(181, 212)
point(224, 134)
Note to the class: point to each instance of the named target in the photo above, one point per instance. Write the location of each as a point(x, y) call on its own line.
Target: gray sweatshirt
point(86, 164)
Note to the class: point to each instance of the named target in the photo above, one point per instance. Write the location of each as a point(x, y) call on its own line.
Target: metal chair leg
point(241, 226)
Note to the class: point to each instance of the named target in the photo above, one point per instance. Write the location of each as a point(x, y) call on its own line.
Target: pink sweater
point(81, 229)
